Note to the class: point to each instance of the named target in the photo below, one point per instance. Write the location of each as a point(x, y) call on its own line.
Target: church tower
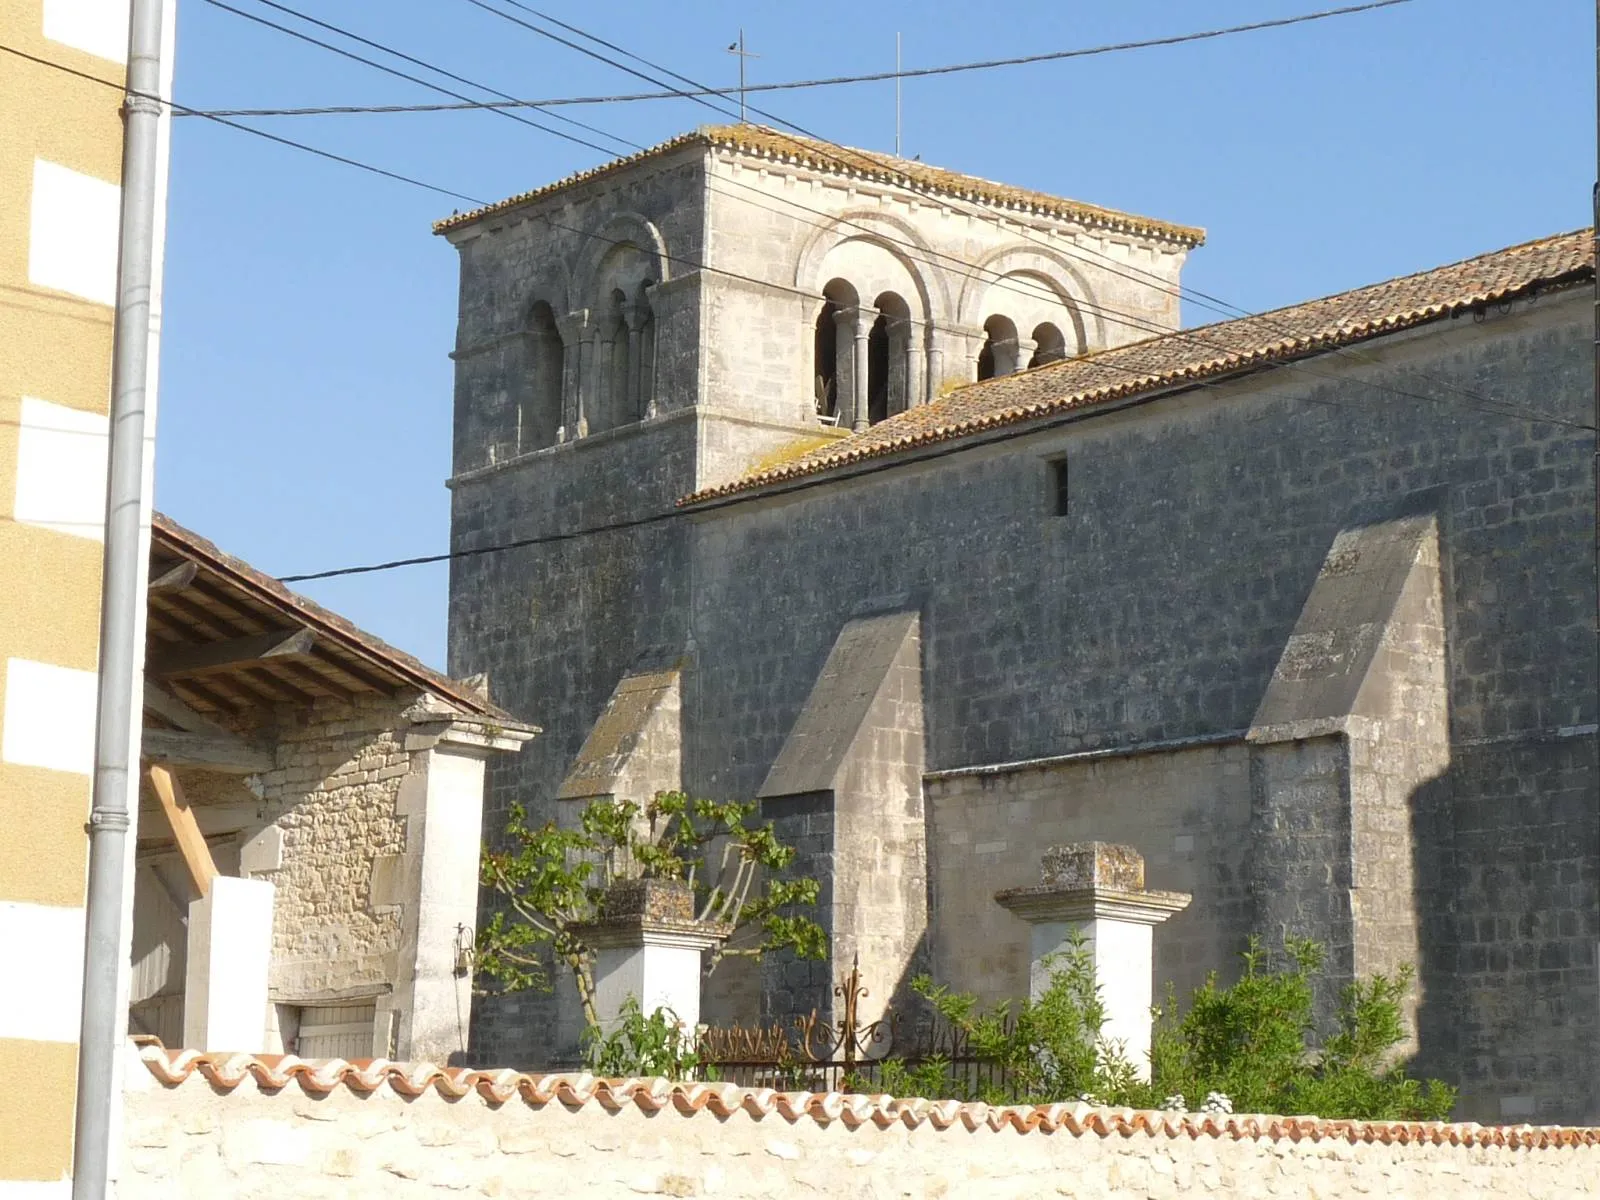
point(661, 324)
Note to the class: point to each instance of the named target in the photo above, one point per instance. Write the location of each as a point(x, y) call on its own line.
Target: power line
point(1125, 319)
point(399, 74)
point(830, 81)
point(183, 110)
point(805, 483)
point(877, 165)
point(819, 480)
point(1114, 267)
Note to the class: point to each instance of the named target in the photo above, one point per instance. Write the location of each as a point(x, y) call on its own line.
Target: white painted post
point(648, 945)
point(230, 950)
point(1096, 890)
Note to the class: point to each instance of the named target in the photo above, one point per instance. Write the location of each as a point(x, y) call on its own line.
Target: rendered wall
point(524, 1137)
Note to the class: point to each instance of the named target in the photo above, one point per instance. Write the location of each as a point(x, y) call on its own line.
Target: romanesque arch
point(621, 230)
point(1039, 272)
point(895, 237)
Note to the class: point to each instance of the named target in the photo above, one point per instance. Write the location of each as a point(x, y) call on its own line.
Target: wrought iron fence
point(850, 1055)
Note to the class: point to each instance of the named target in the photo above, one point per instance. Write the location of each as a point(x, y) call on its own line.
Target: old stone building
point(306, 869)
point(898, 499)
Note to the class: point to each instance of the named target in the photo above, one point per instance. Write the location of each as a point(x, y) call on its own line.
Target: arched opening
point(1049, 345)
point(833, 351)
point(888, 358)
point(539, 414)
point(999, 353)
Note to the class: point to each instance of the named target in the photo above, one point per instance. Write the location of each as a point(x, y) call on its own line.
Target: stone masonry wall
point(1158, 607)
point(333, 795)
point(1155, 610)
point(526, 1137)
point(1186, 810)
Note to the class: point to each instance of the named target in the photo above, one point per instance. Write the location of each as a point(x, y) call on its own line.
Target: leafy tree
point(552, 880)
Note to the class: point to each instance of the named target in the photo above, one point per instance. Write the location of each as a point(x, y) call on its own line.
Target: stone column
point(648, 945)
point(908, 332)
point(574, 335)
point(935, 353)
point(605, 404)
point(863, 332)
point(229, 954)
point(844, 350)
point(634, 315)
point(1097, 891)
point(1025, 352)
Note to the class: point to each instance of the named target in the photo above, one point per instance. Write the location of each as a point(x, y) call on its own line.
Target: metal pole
point(1595, 218)
point(120, 657)
point(741, 77)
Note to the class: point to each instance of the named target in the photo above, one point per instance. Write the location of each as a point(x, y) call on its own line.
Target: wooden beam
point(169, 707)
point(223, 656)
point(174, 579)
point(216, 820)
point(225, 752)
point(185, 831)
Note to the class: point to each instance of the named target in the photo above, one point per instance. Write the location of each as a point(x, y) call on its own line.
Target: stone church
point(898, 499)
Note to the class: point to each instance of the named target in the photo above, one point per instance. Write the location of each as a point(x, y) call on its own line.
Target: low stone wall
point(259, 1127)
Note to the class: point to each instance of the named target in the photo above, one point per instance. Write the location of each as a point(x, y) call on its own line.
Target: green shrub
point(645, 1045)
point(1251, 1045)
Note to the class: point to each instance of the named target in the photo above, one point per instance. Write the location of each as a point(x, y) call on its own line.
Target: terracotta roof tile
point(1204, 353)
point(272, 1073)
point(761, 142)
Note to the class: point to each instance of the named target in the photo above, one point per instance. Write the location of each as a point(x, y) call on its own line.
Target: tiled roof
point(758, 141)
point(1204, 353)
point(170, 538)
point(270, 1073)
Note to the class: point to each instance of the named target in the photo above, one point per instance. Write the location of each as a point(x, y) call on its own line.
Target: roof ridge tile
point(227, 1073)
point(802, 149)
point(1199, 354)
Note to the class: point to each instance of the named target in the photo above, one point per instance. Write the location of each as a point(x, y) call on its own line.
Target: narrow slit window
point(1058, 486)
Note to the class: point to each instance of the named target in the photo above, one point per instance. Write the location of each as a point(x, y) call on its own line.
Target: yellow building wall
point(60, 161)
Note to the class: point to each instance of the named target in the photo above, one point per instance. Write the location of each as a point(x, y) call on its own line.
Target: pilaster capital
point(1086, 881)
point(574, 325)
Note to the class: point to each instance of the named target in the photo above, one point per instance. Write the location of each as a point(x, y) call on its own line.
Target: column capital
point(634, 315)
point(1085, 881)
point(574, 325)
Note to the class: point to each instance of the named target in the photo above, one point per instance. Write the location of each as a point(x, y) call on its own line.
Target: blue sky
point(306, 389)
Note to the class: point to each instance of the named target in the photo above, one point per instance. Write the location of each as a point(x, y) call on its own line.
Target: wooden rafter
point(227, 753)
point(212, 657)
point(185, 831)
point(174, 579)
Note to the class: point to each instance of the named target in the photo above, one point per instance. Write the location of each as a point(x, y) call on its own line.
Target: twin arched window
point(864, 357)
point(606, 374)
point(1005, 352)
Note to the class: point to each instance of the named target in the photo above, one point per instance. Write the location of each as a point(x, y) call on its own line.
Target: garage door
point(341, 1031)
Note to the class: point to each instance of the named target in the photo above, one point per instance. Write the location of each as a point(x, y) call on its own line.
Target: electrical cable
point(700, 266)
point(260, 133)
point(399, 74)
point(1114, 267)
point(832, 81)
point(836, 151)
point(708, 506)
point(482, 87)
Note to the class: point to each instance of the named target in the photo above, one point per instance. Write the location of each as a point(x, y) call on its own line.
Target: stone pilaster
point(648, 945)
point(1096, 891)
